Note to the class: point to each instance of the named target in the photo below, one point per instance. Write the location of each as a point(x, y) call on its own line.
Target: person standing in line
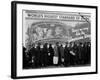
point(55, 60)
point(75, 51)
point(67, 55)
point(33, 54)
point(59, 54)
point(51, 54)
point(29, 58)
point(85, 53)
point(81, 52)
point(62, 54)
point(48, 55)
point(72, 54)
point(45, 52)
point(88, 53)
point(42, 55)
point(24, 57)
point(38, 55)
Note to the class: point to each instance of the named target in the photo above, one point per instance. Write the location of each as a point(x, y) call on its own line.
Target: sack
point(55, 60)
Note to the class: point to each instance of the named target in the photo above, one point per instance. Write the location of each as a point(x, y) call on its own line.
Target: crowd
point(69, 54)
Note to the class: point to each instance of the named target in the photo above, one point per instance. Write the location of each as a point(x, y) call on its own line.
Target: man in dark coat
point(29, 58)
point(72, 54)
point(42, 56)
point(77, 53)
point(67, 55)
point(45, 52)
point(58, 53)
point(89, 53)
point(33, 56)
point(24, 58)
point(85, 53)
point(81, 53)
point(38, 54)
point(50, 55)
point(75, 50)
point(62, 54)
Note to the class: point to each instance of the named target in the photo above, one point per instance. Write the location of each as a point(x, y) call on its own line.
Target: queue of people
point(45, 55)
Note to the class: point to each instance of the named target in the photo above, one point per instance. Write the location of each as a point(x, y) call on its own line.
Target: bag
point(55, 60)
